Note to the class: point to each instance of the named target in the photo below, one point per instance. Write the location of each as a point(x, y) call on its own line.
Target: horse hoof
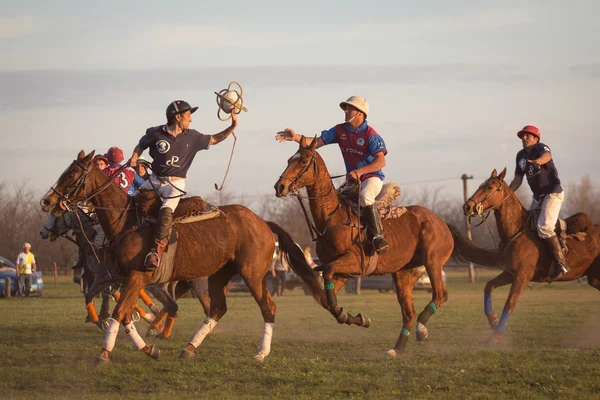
point(154, 351)
point(151, 332)
point(391, 353)
point(101, 360)
point(495, 338)
point(185, 353)
point(365, 321)
point(493, 320)
point(102, 324)
point(164, 335)
point(259, 358)
point(422, 332)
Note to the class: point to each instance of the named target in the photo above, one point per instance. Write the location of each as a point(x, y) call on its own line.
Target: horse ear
point(502, 174)
point(303, 142)
point(313, 144)
point(81, 155)
point(494, 173)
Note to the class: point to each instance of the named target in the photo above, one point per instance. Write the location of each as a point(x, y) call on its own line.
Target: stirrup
point(150, 266)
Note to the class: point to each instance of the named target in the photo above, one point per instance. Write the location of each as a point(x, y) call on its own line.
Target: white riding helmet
point(358, 102)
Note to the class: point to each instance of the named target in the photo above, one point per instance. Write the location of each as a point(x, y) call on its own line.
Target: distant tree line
point(21, 217)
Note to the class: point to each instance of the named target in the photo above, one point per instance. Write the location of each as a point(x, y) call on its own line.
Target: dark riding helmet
point(178, 107)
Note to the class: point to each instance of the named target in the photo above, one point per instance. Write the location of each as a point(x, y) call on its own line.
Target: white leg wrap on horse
point(111, 334)
point(265, 345)
point(201, 333)
point(135, 337)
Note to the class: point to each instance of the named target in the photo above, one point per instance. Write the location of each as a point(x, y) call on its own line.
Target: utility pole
point(464, 178)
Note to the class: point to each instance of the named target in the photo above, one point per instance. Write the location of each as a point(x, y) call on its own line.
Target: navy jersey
point(173, 155)
point(543, 180)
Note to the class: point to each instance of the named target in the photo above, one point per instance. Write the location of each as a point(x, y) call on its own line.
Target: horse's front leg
point(136, 282)
point(503, 279)
point(520, 281)
point(333, 285)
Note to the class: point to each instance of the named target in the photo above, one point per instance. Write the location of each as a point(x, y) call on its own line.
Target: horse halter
point(294, 190)
point(479, 208)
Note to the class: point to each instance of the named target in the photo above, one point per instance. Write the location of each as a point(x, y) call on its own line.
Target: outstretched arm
point(219, 137)
point(288, 135)
point(516, 183)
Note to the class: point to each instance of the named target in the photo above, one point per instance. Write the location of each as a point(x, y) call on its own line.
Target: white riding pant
point(369, 189)
point(169, 189)
point(551, 204)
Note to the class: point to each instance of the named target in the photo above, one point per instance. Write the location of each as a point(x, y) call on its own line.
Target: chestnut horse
point(526, 258)
point(417, 238)
point(100, 274)
point(238, 241)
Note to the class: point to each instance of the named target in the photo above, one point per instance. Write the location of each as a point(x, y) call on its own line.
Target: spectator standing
point(25, 266)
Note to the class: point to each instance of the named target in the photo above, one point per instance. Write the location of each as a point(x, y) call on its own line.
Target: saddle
point(348, 195)
point(574, 227)
point(189, 209)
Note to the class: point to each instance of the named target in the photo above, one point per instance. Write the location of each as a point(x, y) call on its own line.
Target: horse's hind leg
point(404, 280)
point(503, 279)
point(217, 286)
point(200, 289)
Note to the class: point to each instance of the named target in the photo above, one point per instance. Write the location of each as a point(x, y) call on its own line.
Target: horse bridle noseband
point(293, 185)
point(479, 208)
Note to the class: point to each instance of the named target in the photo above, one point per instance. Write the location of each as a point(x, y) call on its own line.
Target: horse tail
point(466, 250)
point(295, 257)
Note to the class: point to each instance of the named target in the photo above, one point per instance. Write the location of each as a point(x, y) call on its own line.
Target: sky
point(449, 83)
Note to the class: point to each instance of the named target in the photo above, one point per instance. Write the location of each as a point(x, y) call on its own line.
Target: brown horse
point(417, 238)
point(236, 242)
point(526, 258)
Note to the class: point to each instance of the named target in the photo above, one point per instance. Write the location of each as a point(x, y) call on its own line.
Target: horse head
point(63, 195)
point(301, 170)
point(54, 227)
point(489, 195)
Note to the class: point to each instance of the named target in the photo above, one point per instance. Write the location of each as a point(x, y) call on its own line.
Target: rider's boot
point(559, 266)
point(376, 229)
point(163, 227)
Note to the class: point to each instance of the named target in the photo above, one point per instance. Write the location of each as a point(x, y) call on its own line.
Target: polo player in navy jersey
point(172, 147)
point(535, 162)
point(364, 153)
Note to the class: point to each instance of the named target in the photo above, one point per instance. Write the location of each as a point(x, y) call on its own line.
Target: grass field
point(551, 349)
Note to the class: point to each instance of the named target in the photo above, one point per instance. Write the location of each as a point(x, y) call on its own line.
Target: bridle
point(71, 204)
point(295, 191)
point(480, 209)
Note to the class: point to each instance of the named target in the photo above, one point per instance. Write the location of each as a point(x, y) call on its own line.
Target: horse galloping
point(525, 257)
point(417, 238)
point(238, 241)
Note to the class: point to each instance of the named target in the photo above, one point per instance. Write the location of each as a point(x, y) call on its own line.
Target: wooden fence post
point(7, 287)
point(55, 275)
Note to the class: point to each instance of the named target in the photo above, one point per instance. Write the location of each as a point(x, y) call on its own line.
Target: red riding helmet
point(531, 130)
point(100, 157)
point(114, 155)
